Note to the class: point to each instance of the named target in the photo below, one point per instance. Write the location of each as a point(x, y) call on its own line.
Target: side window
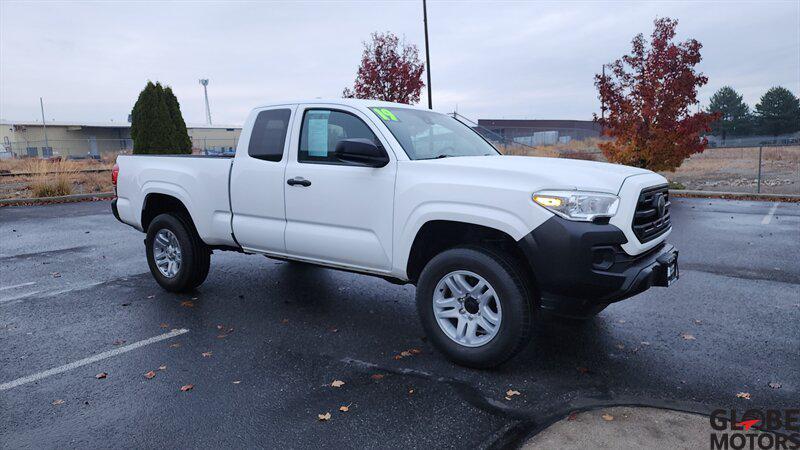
point(323, 129)
point(269, 134)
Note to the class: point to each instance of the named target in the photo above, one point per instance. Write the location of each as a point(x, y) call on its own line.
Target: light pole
point(427, 53)
point(204, 83)
point(44, 125)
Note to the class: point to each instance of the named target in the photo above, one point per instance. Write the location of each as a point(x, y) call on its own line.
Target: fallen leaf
point(607, 417)
point(118, 342)
point(175, 345)
point(344, 408)
point(376, 376)
point(511, 393)
point(222, 336)
point(687, 337)
point(324, 417)
point(187, 304)
point(206, 354)
point(744, 395)
point(397, 357)
point(415, 351)
point(337, 383)
point(775, 385)
point(237, 381)
point(149, 375)
point(162, 367)
point(101, 375)
point(572, 416)
point(187, 387)
point(164, 325)
point(58, 402)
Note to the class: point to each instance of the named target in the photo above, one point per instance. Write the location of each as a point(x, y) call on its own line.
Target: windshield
point(429, 135)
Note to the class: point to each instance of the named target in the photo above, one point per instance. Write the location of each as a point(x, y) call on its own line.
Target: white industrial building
point(94, 139)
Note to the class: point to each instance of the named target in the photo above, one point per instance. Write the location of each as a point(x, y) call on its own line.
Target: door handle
point(298, 181)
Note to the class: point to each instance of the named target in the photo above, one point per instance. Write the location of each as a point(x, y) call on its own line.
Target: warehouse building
point(93, 140)
point(540, 132)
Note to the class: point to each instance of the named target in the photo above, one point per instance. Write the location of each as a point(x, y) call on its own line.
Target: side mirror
point(362, 152)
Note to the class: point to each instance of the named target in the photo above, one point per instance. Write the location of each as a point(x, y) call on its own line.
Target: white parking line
point(768, 218)
point(45, 294)
point(91, 359)
point(17, 286)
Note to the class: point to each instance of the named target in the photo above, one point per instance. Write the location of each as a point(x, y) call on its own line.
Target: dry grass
point(44, 178)
point(54, 187)
point(36, 165)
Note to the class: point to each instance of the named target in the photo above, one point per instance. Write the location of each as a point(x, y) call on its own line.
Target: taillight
point(114, 174)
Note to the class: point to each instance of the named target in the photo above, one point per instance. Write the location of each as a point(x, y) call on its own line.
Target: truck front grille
point(652, 217)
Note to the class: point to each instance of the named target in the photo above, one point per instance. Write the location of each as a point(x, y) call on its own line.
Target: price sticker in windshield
point(385, 114)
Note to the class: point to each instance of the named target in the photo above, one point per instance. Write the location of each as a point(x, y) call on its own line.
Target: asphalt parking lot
point(261, 342)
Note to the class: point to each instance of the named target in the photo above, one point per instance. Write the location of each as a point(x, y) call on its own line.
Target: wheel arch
point(156, 203)
point(435, 236)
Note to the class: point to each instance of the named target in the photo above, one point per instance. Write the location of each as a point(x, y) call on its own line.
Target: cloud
point(490, 59)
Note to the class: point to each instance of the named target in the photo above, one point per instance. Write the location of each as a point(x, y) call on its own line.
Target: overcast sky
point(89, 60)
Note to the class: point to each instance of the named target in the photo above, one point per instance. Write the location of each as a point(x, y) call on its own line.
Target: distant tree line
point(778, 112)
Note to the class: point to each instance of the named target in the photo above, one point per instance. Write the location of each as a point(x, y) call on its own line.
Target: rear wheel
point(475, 306)
point(178, 259)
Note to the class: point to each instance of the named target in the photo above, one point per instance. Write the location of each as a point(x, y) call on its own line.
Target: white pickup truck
point(412, 196)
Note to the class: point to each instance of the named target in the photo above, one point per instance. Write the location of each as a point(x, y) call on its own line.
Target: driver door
point(337, 213)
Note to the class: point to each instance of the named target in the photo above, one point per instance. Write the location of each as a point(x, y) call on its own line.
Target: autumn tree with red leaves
point(646, 100)
point(389, 71)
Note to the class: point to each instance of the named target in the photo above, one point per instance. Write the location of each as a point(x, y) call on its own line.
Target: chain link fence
point(758, 165)
point(101, 148)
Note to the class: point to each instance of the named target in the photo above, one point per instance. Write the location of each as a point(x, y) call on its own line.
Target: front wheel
point(475, 306)
point(178, 259)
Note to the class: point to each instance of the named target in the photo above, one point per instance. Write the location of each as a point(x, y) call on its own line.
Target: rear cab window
point(268, 138)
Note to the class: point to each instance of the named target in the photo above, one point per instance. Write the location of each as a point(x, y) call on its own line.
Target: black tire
point(513, 291)
point(195, 254)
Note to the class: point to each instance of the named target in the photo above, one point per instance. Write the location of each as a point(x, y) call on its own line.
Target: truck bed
point(199, 181)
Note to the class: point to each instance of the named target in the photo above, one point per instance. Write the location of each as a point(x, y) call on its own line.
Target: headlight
point(577, 205)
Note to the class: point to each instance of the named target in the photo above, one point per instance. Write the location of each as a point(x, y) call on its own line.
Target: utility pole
point(204, 83)
point(44, 124)
point(603, 102)
point(427, 53)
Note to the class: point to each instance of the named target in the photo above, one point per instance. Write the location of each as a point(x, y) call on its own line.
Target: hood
point(547, 173)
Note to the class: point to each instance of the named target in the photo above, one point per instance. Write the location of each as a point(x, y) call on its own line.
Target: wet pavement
point(261, 342)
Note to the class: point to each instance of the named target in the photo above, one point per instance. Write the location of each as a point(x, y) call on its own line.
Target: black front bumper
point(580, 266)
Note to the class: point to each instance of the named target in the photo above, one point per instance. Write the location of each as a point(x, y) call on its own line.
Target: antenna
point(204, 83)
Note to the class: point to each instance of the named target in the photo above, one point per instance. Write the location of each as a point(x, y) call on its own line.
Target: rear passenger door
point(342, 213)
point(257, 183)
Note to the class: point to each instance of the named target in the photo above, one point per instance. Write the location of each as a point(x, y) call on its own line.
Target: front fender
point(484, 215)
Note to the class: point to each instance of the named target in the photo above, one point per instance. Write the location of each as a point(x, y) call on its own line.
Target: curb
point(59, 199)
point(734, 195)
